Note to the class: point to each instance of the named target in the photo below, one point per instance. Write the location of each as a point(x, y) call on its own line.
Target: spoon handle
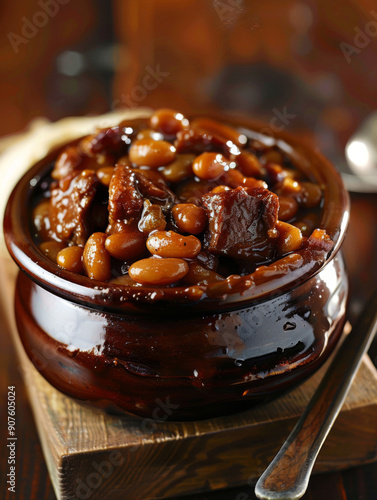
point(287, 476)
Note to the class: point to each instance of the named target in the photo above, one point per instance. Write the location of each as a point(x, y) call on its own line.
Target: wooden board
point(90, 454)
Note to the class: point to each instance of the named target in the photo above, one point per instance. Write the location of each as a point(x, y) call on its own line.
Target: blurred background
point(304, 64)
point(309, 66)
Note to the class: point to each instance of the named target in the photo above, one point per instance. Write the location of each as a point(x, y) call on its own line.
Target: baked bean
point(272, 156)
point(168, 121)
point(275, 173)
point(220, 189)
point(150, 153)
point(252, 183)
point(288, 187)
point(220, 129)
point(311, 194)
point(105, 174)
point(307, 224)
point(152, 175)
point(288, 207)
point(126, 245)
point(305, 231)
point(249, 164)
point(234, 178)
point(124, 160)
point(294, 174)
point(179, 169)
point(149, 134)
point(210, 166)
point(290, 237)
point(41, 218)
point(102, 160)
point(70, 259)
point(189, 218)
point(96, 259)
point(51, 249)
point(171, 244)
point(192, 190)
point(157, 271)
point(199, 275)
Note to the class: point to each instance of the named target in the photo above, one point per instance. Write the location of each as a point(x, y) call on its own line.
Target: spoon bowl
point(361, 151)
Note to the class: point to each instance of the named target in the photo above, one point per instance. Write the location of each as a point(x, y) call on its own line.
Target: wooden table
point(33, 482)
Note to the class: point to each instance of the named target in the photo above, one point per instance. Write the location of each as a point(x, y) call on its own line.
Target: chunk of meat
point(155, 190)
point(69, 160)
point(199, 141)
point(70, 208)
point(220, 130)
point(97, 150)
point(242, 223)
point(73, 160)
point(125, 200)
point(319, 240)
point(114, 140)
point(152, 218)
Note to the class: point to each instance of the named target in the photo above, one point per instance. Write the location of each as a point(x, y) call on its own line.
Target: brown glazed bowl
point(140, 352)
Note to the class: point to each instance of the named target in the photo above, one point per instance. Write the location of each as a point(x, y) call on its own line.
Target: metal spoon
point(361, 152)
point(287, 477)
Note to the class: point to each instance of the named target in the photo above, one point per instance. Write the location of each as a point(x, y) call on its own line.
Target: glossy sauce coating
point(189, 218)
point(150, 333)
point(169, 187)
point(207, 365)
point(97, 261)
point(70, 258)
point(159, 272)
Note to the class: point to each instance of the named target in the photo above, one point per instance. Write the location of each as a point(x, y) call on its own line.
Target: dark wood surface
point(354, 484)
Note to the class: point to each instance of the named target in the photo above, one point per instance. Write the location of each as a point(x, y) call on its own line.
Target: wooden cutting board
point(93, 455)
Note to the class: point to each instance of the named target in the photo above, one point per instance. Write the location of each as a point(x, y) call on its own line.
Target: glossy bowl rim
point(106, 296)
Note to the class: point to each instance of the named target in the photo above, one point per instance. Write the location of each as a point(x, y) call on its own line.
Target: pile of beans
point(168, 201)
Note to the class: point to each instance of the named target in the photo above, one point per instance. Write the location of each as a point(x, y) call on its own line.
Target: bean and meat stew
point(166, 201)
